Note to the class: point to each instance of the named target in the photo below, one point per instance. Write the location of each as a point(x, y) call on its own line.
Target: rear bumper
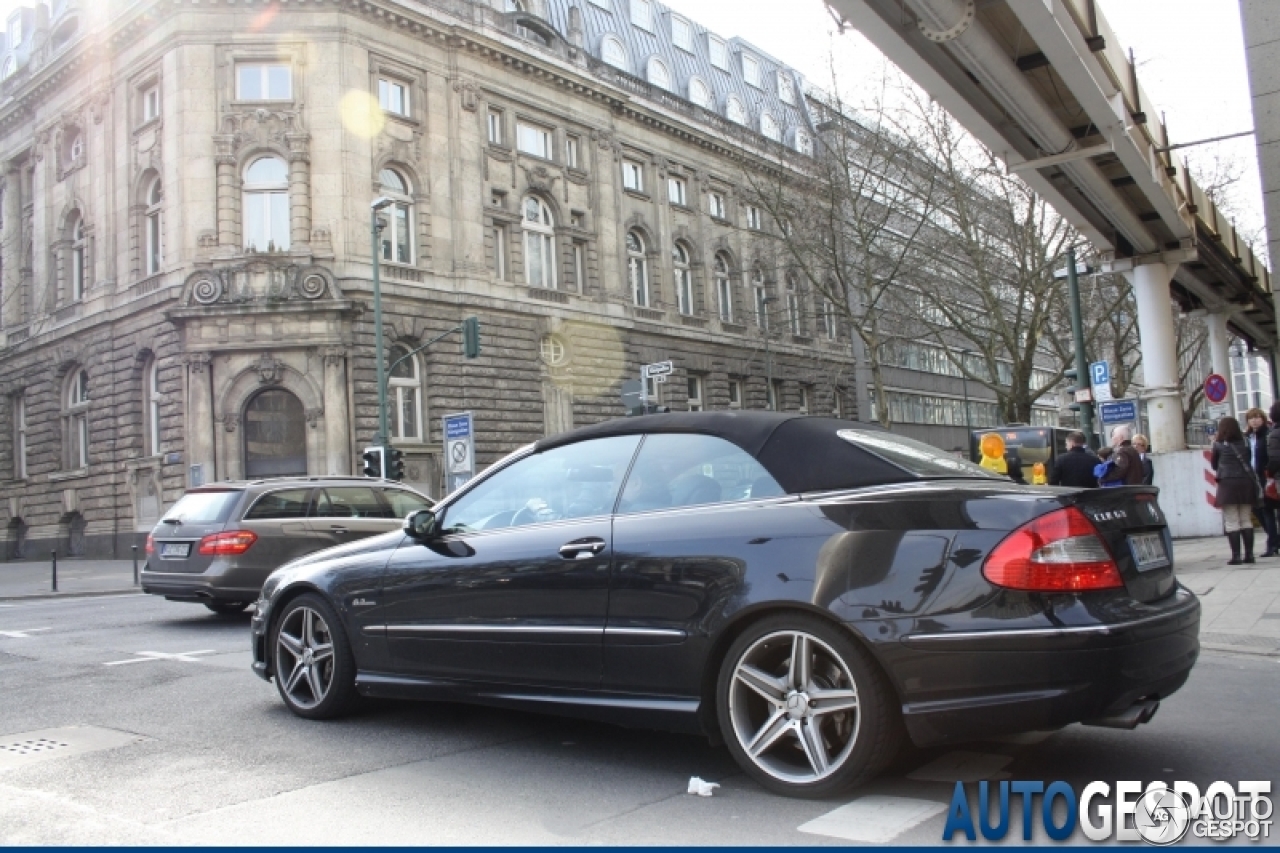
point(1046, 678)
point(196, 587)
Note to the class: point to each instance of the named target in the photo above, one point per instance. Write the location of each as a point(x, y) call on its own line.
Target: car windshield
point(203, 507)
point(915, 456)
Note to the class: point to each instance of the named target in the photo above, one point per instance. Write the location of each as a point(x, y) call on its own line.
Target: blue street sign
point(459, 449)
point(1118, 411)
point(1100, 373)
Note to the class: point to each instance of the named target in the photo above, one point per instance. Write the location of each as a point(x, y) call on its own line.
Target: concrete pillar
point(200, 450)
point(11, 314)
point(1219, 348)
point(1159, 356)
point(299, 191)
point(228, 202)
point(337, 422)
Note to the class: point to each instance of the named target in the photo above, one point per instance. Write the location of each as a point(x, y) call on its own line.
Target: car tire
point(315, 671)
point(227, 608)
point(808, 722)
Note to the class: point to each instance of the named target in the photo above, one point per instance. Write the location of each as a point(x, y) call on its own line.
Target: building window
point(735, 393)
point(612, 52)
point(751, 70)
point(754, 217)
point(642, 14)
point(77, 420)
point(405, 392)
point(681, 34)
point(571, 148)
point(580, 267)
point(154, 223)
point(652, 390)
point(15, 30)
point(151, 381)
point(793, 308)
point(804, 400)
point(716, 206)
point(393, 97)
point(632, 176)
point(723, 292)
point(637, 269)
point(75, 148)
point(19, 436)
point(539, 244)
point(786, 89)
point(151, 103)
point(677, 191)
point(683, 278)
point(495, 127)
point(837, 403)
point(769, 127)
point(803, 143)
point(827, 313)
point(761, 299)
point(735, 111)
point(718, 52)
point(264, 81)
point(659, 74)
point(532, 139)
point(500, 252)
point(266, 205)
point(700, 93)
point(695, 393)
point(78, 256)
point(773, 395)
point(552, 350)
point(397, 237)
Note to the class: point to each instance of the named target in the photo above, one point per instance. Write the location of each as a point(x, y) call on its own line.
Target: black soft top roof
point(802, 453)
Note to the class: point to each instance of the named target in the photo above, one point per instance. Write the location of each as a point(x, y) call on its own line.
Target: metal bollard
point(53, 558)
point(135, 565)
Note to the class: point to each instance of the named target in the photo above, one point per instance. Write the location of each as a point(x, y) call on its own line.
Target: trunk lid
point(1129, 519)
point(177, 536)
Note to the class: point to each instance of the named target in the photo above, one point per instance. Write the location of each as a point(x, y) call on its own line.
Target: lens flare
point(361, 114)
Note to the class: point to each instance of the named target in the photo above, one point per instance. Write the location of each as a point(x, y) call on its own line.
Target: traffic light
point(1072, 374)
point(471, 337)
point(374, 462)
point(395, 463)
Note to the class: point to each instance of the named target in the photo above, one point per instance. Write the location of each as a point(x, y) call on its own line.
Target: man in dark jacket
point(1128, 468)
point(1075, 467)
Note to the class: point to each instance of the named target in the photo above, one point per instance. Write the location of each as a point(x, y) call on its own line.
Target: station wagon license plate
point(175, 549)
point(1148, 551)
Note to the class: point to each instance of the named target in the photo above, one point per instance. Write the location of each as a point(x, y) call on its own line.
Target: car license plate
point(175, 549)
point(1148, 551)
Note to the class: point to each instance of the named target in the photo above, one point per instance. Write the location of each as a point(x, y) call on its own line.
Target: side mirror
point(421, 525)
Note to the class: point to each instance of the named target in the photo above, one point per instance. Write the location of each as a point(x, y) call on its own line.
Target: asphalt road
point(144, 749)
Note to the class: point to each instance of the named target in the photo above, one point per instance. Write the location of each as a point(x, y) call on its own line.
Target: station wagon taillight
point(229, 544)
point(1057, 552)
point(151, 544)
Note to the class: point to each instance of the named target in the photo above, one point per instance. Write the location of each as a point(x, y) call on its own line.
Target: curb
point(1238, 650)
point(44, 596)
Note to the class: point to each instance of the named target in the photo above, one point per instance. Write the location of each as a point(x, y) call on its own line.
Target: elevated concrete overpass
point(1046, 84)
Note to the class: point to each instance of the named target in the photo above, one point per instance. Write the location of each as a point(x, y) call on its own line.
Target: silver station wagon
point(219, 542)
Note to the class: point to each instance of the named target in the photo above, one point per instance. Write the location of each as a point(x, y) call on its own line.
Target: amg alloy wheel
point(314, 670)
point(803, 708)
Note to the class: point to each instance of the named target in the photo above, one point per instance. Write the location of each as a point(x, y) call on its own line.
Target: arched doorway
point(275, 436)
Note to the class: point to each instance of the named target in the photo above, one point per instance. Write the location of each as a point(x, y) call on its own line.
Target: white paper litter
point(701, 788)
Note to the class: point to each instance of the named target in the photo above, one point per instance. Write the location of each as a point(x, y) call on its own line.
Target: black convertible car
point(810, 590)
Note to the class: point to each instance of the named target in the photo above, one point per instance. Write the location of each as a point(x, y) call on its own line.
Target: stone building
point(186, 268)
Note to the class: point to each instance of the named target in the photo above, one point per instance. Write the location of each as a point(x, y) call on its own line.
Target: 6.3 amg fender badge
point(362, 602)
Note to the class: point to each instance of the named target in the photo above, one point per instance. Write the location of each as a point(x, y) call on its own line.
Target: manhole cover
point(19, 750)
point(1268, 643)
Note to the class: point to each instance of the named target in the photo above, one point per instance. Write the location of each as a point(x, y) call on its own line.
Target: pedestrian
point(1105, 467)
point(1143, 446)
point(1128, 464)
point(1075, 467)
point(1259, 437)
point(1013, 466)
point(1237, 488)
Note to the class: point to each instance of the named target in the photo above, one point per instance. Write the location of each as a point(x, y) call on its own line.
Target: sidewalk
point(75, 577)
point(1241, 603)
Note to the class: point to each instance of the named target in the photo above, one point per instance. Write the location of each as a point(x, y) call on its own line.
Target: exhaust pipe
point(1130, 718)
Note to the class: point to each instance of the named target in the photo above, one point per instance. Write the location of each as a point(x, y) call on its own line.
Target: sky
point(1190, 56)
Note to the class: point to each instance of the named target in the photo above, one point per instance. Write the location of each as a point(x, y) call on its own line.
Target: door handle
point(337, 529)
point(582, 549)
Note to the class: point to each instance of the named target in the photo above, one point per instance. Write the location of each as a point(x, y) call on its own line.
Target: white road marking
point(873, 820)
point(23, 634)
point(188, 657)
point(963, 766)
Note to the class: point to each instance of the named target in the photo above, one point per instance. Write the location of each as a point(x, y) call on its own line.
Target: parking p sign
point(1100, 379)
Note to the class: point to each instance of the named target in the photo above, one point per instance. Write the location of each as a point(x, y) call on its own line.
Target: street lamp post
point(765, 302)
point(375, 225)
point(1077, 335)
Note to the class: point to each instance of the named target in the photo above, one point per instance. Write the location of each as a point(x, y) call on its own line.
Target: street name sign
point(459, 449)
point(1118, 411)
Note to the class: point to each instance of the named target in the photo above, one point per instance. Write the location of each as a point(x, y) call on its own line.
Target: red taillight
point(229, 544)
point(151, 544)
point(1058, 552)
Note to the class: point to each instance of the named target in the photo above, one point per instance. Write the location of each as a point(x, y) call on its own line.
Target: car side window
point(575, 481)
point(676, 470)
point(286, 503)
point(403, 502)
point(351, 502)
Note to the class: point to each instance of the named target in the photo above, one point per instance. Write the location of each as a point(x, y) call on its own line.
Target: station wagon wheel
point(804, 709)
point(314, 669)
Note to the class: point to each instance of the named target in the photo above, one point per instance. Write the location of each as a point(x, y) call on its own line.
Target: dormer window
point(681, 33)
point(642, 14)
point(15, 30)
point(769, 127)
point(735, 111)
point(751, 70)
point(718, 51)
point(612, 52)
point(786, 88)
point(659, 75)
point(700, 93)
